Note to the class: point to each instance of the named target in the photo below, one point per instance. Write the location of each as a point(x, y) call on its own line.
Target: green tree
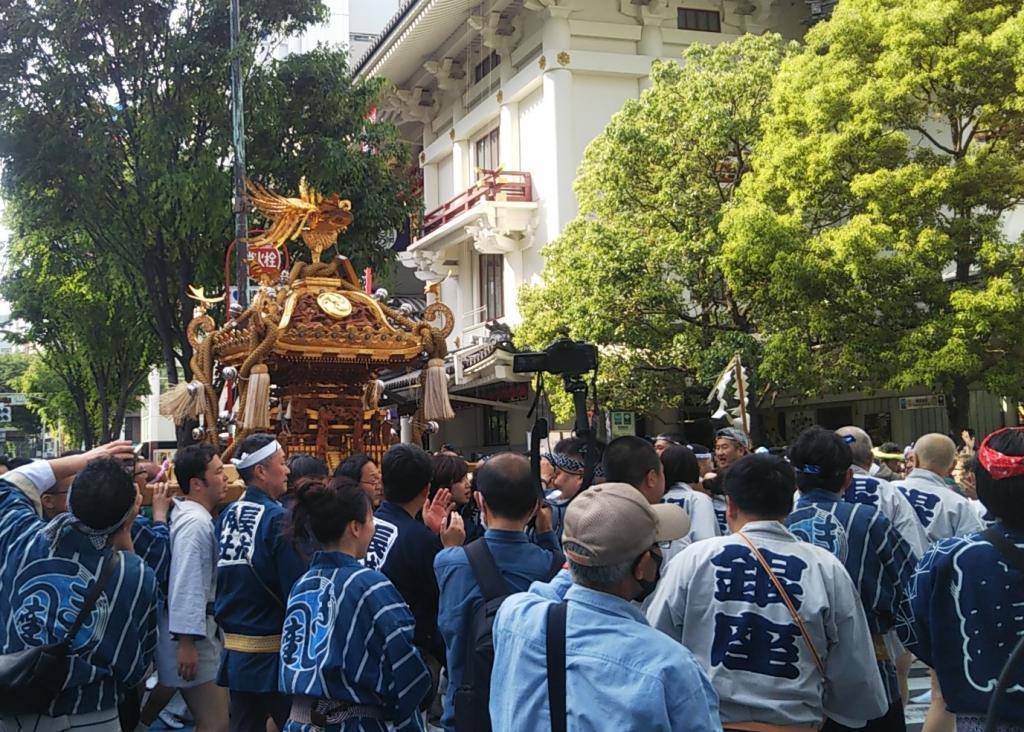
point(115, 122)
point(12, 368)
point(636, 271)
point(871, 234)
point(50, 400)
point(310, 118)
point(74, 306)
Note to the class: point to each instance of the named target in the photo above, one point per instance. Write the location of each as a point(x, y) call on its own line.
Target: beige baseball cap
point(617, 524)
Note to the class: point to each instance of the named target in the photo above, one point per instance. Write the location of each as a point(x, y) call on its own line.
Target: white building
point(353, 23)
point(519, 87)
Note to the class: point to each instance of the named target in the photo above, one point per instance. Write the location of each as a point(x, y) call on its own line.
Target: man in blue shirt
point(507, 500)
point(403, 547)
point(620, 672)
point(256, 568)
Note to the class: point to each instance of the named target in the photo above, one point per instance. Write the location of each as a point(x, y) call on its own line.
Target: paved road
point(919, 683)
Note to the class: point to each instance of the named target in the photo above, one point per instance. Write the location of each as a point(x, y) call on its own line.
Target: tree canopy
point(872, 231)
point(637, 270)
point(115, 120)
point(73, 304)
point(115, 137)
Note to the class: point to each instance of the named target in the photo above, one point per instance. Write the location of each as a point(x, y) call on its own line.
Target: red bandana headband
point(998, 465)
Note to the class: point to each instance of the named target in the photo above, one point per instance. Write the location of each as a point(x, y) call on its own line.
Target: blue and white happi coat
point(887, 498)
point(152, 541)
point(963, 616)
point(348, 637)
point(256, 568)
point(941, 510)
point(699, 507)
point(43, 585)
point(717, 600)
point(879, 561)
point(703, 521)
point(718, 501)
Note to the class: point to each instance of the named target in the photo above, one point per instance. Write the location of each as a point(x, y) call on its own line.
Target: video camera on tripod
point(571, 360)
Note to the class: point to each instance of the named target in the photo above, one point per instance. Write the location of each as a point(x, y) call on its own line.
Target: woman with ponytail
point(347, 653)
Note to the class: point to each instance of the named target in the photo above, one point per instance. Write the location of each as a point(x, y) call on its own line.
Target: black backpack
point(474, 694)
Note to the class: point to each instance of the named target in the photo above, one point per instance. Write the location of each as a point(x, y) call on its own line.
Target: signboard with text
point(923, 402)
point(621, 424)
point(265, 262)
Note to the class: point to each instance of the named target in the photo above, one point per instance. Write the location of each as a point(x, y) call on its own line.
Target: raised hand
point(454, 534)
point(121, 449)
point(161, 504)
point(544, 522)
point(437, 510)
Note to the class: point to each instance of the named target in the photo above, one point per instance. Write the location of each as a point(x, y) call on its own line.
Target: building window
point(708, 21)
point(495, 426)
point(492, 291)
point(486, 66)
point(486, 151)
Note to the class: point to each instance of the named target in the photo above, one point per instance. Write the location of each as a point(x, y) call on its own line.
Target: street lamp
point(238, 140)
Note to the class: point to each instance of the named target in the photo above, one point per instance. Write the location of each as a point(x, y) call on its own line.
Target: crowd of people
point(685, 588)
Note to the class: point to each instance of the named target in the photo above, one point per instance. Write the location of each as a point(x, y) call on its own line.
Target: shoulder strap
point(557, 562)
point(555, 643)
point(265, 586)
point(109, 563)
point(492, 584)
point(1010, 551)
point(786, 599)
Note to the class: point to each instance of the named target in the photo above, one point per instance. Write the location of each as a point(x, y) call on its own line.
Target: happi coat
point(42, 585)
point(699, 507)
point(879, 561)
point(963, 616)
point(348, 637)
point(716, 599)
point(192, 589)
point(940, 509)
point(256, 568)
point(887, 498)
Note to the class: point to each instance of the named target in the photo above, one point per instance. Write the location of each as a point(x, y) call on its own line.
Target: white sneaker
point(925, 698)
point(170, 720)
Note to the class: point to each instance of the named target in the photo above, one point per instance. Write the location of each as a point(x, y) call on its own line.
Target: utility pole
point(238, 140)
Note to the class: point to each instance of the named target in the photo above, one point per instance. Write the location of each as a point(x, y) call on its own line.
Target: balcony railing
point(493, 185)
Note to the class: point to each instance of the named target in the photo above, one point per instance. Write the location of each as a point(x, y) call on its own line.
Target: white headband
point(249, 459)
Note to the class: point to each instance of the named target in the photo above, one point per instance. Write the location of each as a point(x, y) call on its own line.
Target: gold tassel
point(257, 399)
point(372, 393)
point(436, 405)
point(183, 402)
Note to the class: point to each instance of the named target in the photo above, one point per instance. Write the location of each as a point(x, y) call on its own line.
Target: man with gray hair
point(619, 673)
point(256, 568)
point(942, 511)
point(879, 493)
point(874, 491)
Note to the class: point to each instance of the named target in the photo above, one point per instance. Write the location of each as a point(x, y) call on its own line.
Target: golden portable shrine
point(303, 360)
